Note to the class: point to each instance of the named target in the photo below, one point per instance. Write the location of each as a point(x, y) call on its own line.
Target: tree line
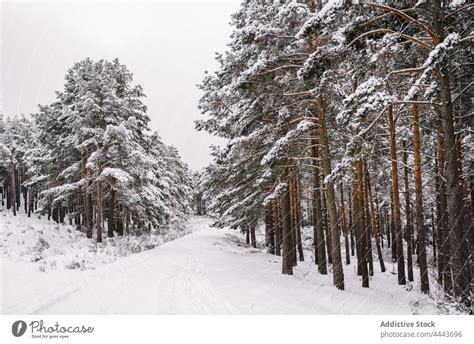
point(355, 119)
point(90, 159)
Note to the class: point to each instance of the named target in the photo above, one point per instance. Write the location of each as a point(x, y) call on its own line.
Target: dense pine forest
point(89, 158)
point(355, 119)
point(348, 120)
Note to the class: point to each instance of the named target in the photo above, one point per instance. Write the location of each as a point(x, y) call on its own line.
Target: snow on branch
point(8, 153)
point(324, 16)
point(436, 59)
point(280, 145)
point(119, 175)
point(279, 189)
point(369, 97)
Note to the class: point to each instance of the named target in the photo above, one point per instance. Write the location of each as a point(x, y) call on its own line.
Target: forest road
point(205, 272)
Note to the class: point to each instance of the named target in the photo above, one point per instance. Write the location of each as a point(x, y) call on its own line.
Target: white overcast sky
point(167, 46)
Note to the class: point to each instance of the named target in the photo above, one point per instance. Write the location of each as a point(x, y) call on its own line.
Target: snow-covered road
point(206, 272)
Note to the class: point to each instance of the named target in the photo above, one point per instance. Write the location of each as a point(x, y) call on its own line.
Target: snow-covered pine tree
point(90, 157)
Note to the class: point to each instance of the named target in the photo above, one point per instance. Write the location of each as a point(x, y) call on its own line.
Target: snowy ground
point(207, 272)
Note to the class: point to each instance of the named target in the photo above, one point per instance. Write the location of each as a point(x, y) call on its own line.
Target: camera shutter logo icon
point(19, 328)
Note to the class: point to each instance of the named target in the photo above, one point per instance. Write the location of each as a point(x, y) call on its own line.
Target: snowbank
point(52, 245)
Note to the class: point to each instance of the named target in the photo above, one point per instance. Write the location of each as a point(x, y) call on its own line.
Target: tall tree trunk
point(291, 186)
point(87, 199)
point(17, 189)
point(338, 273)
point(420, 222)
point(98, 209)
point(444, 269)
point(6, 191)
point(433, 235)
point(408, 228)
point(368, 223)
point(392, 228)
point(357, 219)
point(13, 188)
point(344, 225)
point(111, 217)
point(121, 220)
point(457, 236)
point(361, 236)
point(388, 224)
point(298, 220)
point(62, 213)
point(287, 245)
point(30, 201)
point(25, 199)
point(269, 231)
point(277, 226)
point(457, 233)
point(325, 221)
point(396, 200)
point(351, 223)
point(319, 240)
point(49, 208)
point(471, 230)
point(374, 222)
point(380, 221)
point(253, 239)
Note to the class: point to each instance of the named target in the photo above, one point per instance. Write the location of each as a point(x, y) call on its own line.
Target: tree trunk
point(30, 201)
point(374, 222)
point(298, 220)
point(111, 217)
point(361, 236)
point(344, 225)
point(98, 209)
point(433, 235)
point(13, 188)
point(367, 224)
point(420, 222)
point(277, 226)
point(471, 230)
point(287, 245)
point(338, 273)
point(380, 221)
point(293, 220)
point(87, 199)
point(408, 228)
point(457, 236)
point(392, 228)
point(351, 223)
point(49, 208)
point(17, 189)
point(25, 199)
point(396, 200)
point(121, 220)
point(269, 231)
point(324, 220)
point(253, 240)
point(457, 233)
point(319, 240)
point(444, 269)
